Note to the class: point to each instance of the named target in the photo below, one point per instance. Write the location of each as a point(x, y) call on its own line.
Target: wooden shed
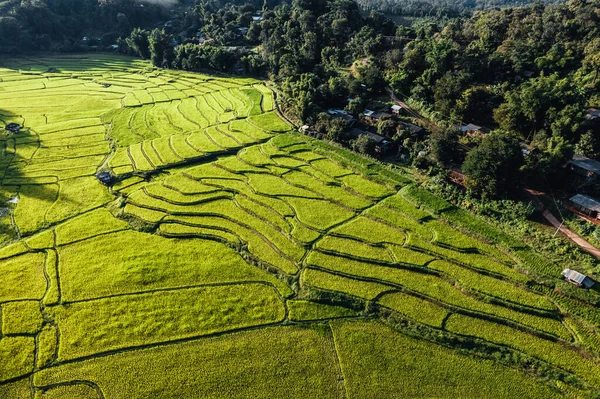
point(584, 166)
point(580, 280)
point(587, 205)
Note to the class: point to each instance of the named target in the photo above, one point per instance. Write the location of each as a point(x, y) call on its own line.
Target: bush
point(364, 144)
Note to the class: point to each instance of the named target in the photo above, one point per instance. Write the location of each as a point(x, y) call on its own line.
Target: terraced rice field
point(230, 258)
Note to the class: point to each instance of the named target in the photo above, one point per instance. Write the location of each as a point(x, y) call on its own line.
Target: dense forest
point(438, 8)
point(526, 73)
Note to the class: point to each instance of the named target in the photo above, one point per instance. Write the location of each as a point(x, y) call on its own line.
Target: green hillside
point(232, 258)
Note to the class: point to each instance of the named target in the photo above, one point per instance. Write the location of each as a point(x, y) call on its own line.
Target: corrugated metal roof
point(357, 132)
point(586, 201)
point(577, 277)
point(586, 163)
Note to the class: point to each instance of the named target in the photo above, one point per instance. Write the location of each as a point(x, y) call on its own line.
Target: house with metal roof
point(341, 114)
point(580, 280)
point(587, 205)
point(592, 114)
point(396, 109)
point(104, 178)
point(413, 129)
point(13, 127)
point(472, 128)
point(368, 112)
point(584, 166)
point(382, 144)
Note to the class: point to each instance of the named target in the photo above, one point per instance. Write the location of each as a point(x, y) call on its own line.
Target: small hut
point(580, 280)
point(587, 205)
point(104, 178)
point(13, 128)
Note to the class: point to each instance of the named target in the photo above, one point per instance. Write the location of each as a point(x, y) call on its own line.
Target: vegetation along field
point(229, 257)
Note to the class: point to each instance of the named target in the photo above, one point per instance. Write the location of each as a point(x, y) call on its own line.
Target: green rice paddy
point(232, 258)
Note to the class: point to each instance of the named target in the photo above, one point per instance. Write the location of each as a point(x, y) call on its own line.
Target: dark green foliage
point(587, 145)
point(492, 168)
point(161, 49)
point(60, 25)
point(364, 144)
point(138, 42)
point(443, 146)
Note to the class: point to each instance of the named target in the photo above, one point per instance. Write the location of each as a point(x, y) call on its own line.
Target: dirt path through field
point(576, 238)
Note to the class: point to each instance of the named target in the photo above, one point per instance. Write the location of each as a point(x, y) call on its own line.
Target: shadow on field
point(69, 63)
point(12, 164)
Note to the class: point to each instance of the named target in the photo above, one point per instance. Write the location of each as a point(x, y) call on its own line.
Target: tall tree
point(161, 48)
point(492, 168)
point(139, 43)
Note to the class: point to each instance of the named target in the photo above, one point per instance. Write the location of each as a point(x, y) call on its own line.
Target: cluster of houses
point(580, 203)
point(366, 124)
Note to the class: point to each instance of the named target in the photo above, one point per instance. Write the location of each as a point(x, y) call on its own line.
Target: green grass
point(435, 288)
point(378, 362)
point(43, 240)
point(414, 308)
point(332, 282)
point(254, 98)
point(425, 199)
point(354, 249)
point(291, 362)
point(21, 317)
point(318, 214)
point(73, 391)
point(112, 323)
point(302, 310)
point(77, 196)
point(365, 187)
point(269, 121)
point(494, 287)
point(371, 231)
point(16, 357)
point(551, 352)
point(400, 221)
point(257, 244)
point(18, 389)
point(408, 208)
point(22, 277)
point(47, 341)
point(334, 193)
point(126, 262)
point(99, 221)
point(470, 259)
point(34, 201)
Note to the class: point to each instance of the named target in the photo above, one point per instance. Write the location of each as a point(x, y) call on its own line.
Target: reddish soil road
point(576, 238)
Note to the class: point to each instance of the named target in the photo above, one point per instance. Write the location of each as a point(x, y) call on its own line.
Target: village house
point(13, 128)
point(584, 166)
point(413, 129)
point(382, 144)
point(587, 205)
point(580, 280)
point(592, 114)
point(368, 113)
point(341, 114)
point(377, 116)
point(471, 129)
point(104, 178)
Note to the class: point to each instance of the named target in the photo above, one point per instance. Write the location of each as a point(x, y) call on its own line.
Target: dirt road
point(576, 238)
